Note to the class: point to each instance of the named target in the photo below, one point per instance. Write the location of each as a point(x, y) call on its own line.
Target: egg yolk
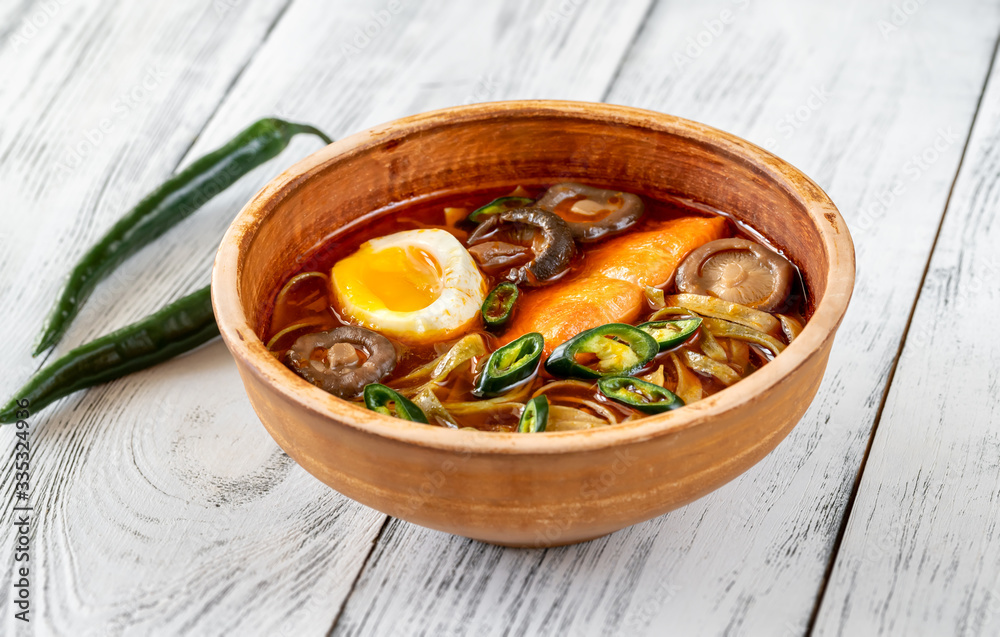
point(394, 278)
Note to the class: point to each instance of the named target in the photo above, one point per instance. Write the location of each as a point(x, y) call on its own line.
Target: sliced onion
point(428, 401)
point(718, 327)
point(571, 419)
point(598, 409)
point(790, 326)
point(670, 313)
point(656, 377)
point(717, 308)
point(711, 347)
point(705, 365)
point(580, 400)
point(655, 297)
point(470, 346)
point(739, 356)
point(688, 384)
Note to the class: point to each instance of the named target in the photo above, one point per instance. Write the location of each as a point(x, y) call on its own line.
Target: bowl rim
point(244, 344)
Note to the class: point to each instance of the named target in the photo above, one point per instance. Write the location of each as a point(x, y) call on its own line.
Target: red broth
point(309, 303)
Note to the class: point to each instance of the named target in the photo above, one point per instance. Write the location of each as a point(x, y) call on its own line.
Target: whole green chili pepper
point(511, 364)
point(618, 349)
point(163, 208)
point(647, 397)
point(389, 402)
point(177, 328)
point(499, 305)
point(535, 416)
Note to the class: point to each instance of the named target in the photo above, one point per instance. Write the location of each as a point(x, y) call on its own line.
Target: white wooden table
point(161, 506)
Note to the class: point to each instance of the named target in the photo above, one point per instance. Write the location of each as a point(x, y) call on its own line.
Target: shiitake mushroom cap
point(345, 381)
point(739, 271)
point(548, 235)
point(592, 213)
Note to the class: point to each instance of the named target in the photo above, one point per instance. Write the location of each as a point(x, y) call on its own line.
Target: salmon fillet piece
point(609, 285)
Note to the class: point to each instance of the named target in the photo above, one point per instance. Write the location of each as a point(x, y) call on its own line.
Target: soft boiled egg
point(418, 286)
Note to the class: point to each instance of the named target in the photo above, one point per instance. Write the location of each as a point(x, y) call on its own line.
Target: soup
point(532, 311)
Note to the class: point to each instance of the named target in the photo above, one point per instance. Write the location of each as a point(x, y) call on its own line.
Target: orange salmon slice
point(608, 287)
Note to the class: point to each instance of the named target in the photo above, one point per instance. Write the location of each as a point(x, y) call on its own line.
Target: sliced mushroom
point(738, 271)
point(496, 256)
point(592, 213)
point(548, 237)
point(343, 360)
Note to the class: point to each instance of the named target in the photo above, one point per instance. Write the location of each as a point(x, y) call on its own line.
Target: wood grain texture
point(921, 553)
point(823, 87)
point(101, 101)
point(163, 507)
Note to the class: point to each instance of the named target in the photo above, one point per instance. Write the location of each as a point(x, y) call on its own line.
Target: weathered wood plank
point(852, 107)
point(921, 552)
point(163, 505)
point(100, 102)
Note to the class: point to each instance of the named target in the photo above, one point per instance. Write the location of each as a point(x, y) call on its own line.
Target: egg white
point(462, 290)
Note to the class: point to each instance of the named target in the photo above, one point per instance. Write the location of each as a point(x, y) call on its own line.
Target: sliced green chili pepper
point(175, 329)
point(535, 416)
point(638, 394)
point(499, 305)
point(499, 205)
point(387, 401)
point(163, 208)
point(620, 349)
point(670, 334)
point(509, 365)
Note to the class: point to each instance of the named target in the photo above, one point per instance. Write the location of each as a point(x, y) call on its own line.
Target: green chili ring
point(639, 394)
point(631, 346)
point(670, 334)
point(510, 365)
point(499, 305)
point(388, 402)
point(535, 416)
point(500, 204)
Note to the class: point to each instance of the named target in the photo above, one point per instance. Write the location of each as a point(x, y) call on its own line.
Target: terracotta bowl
point(542, 489)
